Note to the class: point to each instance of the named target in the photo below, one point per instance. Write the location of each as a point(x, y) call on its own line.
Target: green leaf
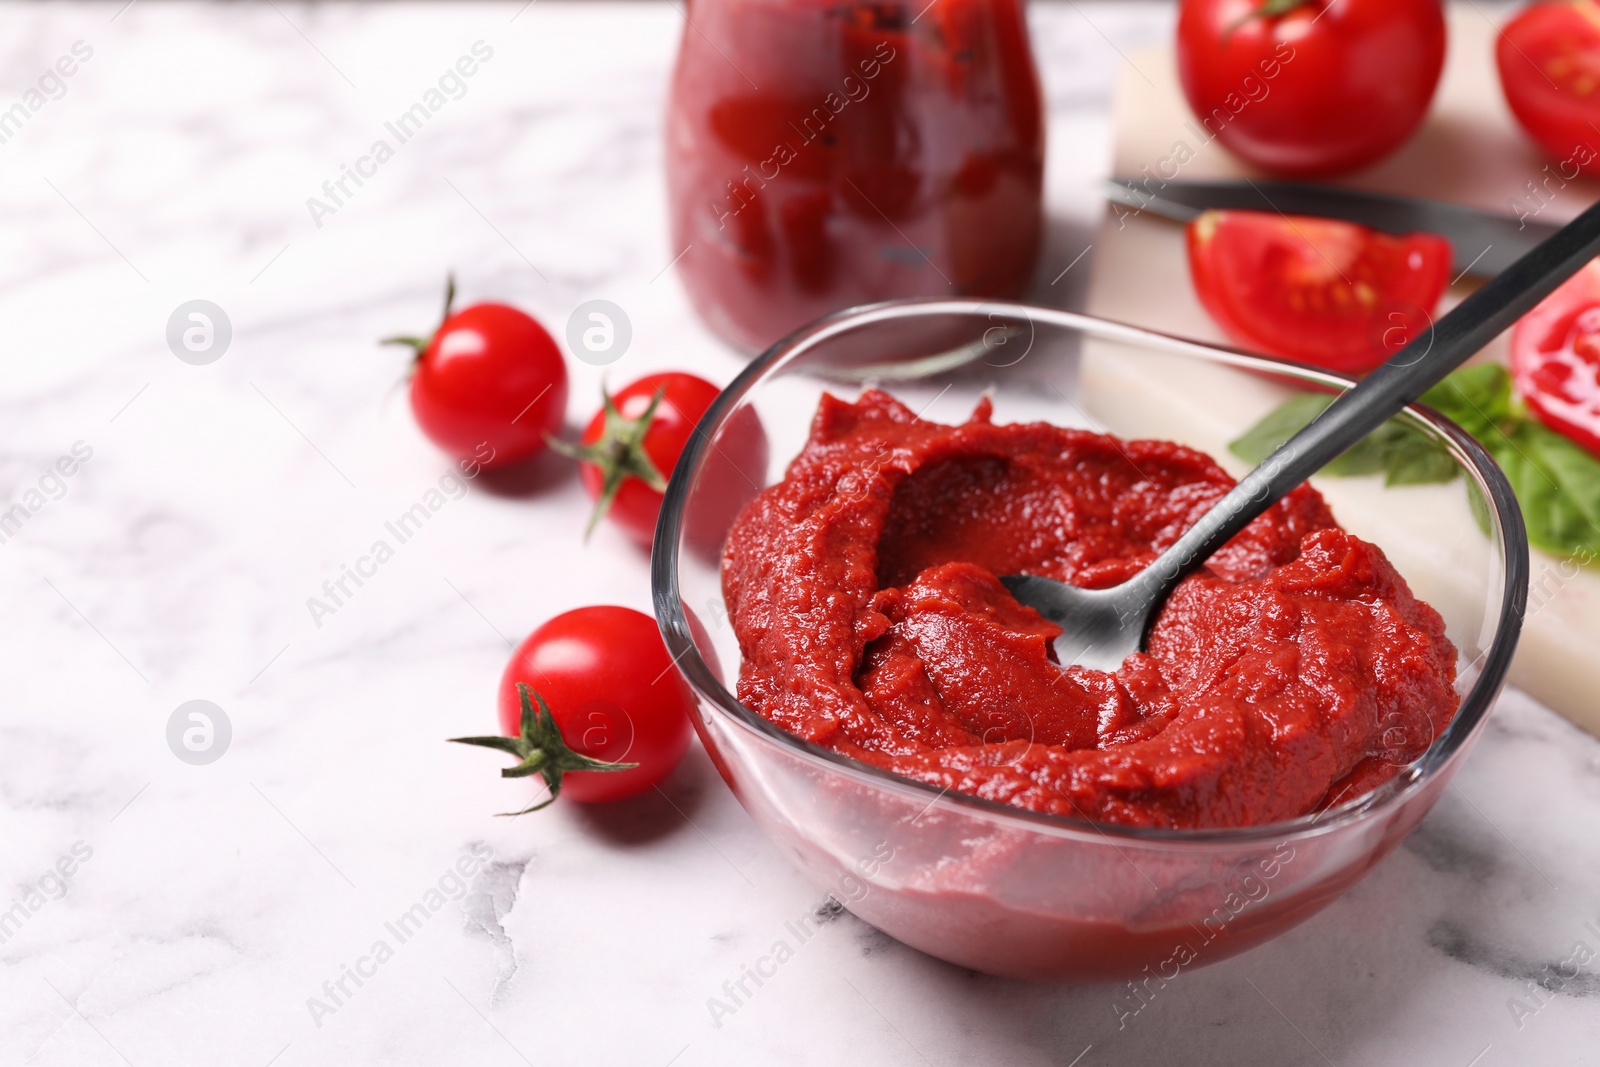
point(1282, 423)
point(1367, 456)
point(1400, 451)
point(1559, 487)
point(1477, 398)
point(1536, 492)
point(1556, 481)
point(1416, 459)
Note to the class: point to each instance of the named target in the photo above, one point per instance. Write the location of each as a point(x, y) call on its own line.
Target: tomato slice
point(1555, 358)
point(1330, 293)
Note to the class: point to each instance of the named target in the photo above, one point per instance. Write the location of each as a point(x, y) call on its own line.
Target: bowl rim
point(1504, 512)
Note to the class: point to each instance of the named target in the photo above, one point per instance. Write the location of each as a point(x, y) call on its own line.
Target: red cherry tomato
point(1555, 358)
point(601, 690)
point(631, 446)
point(1313, 87)
point(1330, 293)
point(489, 385)
point(1549, 60)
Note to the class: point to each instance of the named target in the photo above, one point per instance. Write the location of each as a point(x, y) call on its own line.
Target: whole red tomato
point(1555, 358)
point(1325, 292)
point(592, 703)
point(490, 384)
point(1308, 87)
point(1549, 60)
point(630, 447)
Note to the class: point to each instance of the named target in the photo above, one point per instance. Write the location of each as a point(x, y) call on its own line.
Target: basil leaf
point(1415, 459)
point(1400, 451)
point(1282, 423)
point(1477, 398)
point(1567, 486)
point(1369, 455)
point(1538, 494)
point(1556, 480)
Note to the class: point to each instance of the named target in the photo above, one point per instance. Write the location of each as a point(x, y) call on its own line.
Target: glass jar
point(827, 153)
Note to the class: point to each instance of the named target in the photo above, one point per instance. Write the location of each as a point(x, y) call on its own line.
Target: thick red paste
point(1294, 670)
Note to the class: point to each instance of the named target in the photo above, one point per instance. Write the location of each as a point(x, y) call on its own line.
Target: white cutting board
point(1469, 150)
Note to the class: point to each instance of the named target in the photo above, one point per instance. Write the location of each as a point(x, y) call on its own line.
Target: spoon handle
point(1435, 352)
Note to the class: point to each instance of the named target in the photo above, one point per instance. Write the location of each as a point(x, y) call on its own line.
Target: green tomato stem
point(541, 750)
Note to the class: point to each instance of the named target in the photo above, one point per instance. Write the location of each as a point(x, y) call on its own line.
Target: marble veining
point(302, 900)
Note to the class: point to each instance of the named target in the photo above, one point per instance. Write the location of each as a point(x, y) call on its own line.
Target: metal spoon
point(1102, 627)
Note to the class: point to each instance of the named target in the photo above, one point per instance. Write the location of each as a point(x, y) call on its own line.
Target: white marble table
point(204, 906)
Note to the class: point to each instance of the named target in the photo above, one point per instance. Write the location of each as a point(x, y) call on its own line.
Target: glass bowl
point(1004, 890)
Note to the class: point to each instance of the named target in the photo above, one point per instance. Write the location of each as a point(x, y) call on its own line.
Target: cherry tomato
point(1330, 293)
point(632, 444)
point(1555, 358)
point(490, 384)
point(1549, 60)
point(592, 703)
point(1307, 87)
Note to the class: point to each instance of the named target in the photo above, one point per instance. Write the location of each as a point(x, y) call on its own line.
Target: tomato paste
point(827, 153)
point(1295, 669)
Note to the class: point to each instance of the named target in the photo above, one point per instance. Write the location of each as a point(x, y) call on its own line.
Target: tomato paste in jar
point(822, 154)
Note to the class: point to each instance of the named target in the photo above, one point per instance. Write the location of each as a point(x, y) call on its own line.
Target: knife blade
point(1483, 243)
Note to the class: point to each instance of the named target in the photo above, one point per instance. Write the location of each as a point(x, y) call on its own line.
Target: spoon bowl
point(1097, 629)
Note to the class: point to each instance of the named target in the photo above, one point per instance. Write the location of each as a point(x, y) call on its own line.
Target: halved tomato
point(1549, 61)
point(1555, 358)
point(1330, 293)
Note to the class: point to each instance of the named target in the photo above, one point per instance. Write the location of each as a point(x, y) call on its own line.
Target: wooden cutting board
point(1469, 150)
